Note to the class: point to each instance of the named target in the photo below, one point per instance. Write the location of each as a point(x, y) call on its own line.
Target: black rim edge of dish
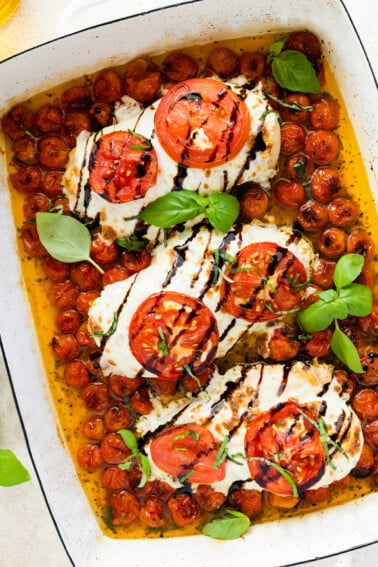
point(7, 369)
point(162, 8)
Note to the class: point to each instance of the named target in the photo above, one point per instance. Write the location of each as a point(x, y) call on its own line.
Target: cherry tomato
point(297, 164)
point(223, 61)
point(320, 344)
point(369, 323)
point(101, 114)
point(124, 168)
point(27, 179)
point(342, 212)
point(108, 86)
point(271, 284)
point(135, 260)
point(322, 147)
point(332, 242)
point(25, 151)
point(254, 202)
point(68, 321)
point(285, 432)
point(113, 449)
point(293, 114)
point(17, 121)
point(365, 463)
point(312, 216)
point(65, 347)
point(199, 454)
point(89, 457)
point(325, 114)
point(55, 270)
point(184, 509)
point(252, 65)
point(293, 137)
point(35, 203)
point(207, 106)
point(369, 362)
point(75, 122)
point(153, 513)
point(194, 385)
point(361, 243)
point(281, 347)
point(317, 495)
point(83, 336)
point(305, 42)
point(103, 252)
point(171, 330)
point(247, 501)
point(116, 274)
point(179, 67)
point(208, 499)
point(118, 417)
point(322, 273)
point(85, 276)
point(371, 433)
point(96, 396)
point(142, 81)
point(163, 387)
point(140, 401)
point(52, 183)
point(122, 386)
point(31, 242)
point(94, 429)
point(76, 98)
point(49, 119)
point(282, 502)
point(125, 508)
point(85, 300)
point(63, 295)
point(365, 404)
point(53, 152)
point(290, 194)
point(325, 184)
point(114, 478)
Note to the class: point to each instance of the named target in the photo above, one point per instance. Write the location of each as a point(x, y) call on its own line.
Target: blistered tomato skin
point(223, 61)
point(290, 194)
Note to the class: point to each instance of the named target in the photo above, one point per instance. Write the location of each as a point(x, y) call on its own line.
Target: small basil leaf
point(146, 469)
point(317, 317)
point(129, 440)
point(173, 208)
point(222, 211)
point(347, 269)
point(358, 299)
point(292, 70)
point(276, 47)
point(65, 238)
point(12, 472)
point(132, 243)
point(231, 526)
point(339, 309)
point(345, 350)
point(328, 295)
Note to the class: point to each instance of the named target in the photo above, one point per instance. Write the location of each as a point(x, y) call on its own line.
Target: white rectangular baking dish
point(198, 21)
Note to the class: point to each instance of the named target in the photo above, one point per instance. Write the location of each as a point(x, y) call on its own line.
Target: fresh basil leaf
point(12, 471)
point(231, 526)
point(65, 238)
point(316, 317)
point(328, 295)
point(339, 309)
point(129, 440)
point(276, 47)
point(358, 299)
point(173, 208)
point(222, 211)
point(146, 469)
point(347, 269)
point(292, 70)
point(132, 243)
point(345, 350)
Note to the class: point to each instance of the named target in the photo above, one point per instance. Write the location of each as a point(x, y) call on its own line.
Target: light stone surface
point(27, 534)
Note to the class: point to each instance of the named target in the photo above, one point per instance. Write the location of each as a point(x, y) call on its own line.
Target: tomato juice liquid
point(70, 408)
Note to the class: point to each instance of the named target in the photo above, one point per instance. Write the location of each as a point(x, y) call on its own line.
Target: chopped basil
point(162, 345)
point(186, 476)
point(222, 453)
point(108, 333)
point(132, 243)
point(193, 434)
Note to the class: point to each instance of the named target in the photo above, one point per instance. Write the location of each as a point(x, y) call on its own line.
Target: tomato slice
point(170, 331)
point(181, 449)
point(124, 167)
point(270, 281)
point(284, 436)
point(202, 123)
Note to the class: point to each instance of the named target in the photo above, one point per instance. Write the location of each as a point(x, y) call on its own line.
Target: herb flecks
point(109, 332)
point(162, 345)
point(189, 432)
point(222, 453)
point(131, 442)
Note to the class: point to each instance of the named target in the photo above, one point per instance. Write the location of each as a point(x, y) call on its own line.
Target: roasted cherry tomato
point(267, 280)
point(125, 167)
point(171, 332)
point(284, 436)
point(223, 61)
point(181, 449)
point(125, 508)
point(198, 109)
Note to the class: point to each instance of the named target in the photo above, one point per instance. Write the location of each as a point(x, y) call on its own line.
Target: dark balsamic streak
point(178, 180)
point(258, 146)
point(104, 340)
point(180, 255)
point(150, 434)
point(285, 376)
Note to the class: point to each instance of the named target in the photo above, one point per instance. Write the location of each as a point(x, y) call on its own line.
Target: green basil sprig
point(132, 243)
point(177, 207)
point(131, 442)
point(292, 70)
point(65, 238)
point(348, 299)
point(12, 471)
point(230, 526)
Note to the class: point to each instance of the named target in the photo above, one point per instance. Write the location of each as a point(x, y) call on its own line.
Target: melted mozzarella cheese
point(186, 266)
point(246, 391)
point(256, 162)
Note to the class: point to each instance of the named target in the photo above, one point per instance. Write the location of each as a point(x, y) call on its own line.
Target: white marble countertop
point(27, 534)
